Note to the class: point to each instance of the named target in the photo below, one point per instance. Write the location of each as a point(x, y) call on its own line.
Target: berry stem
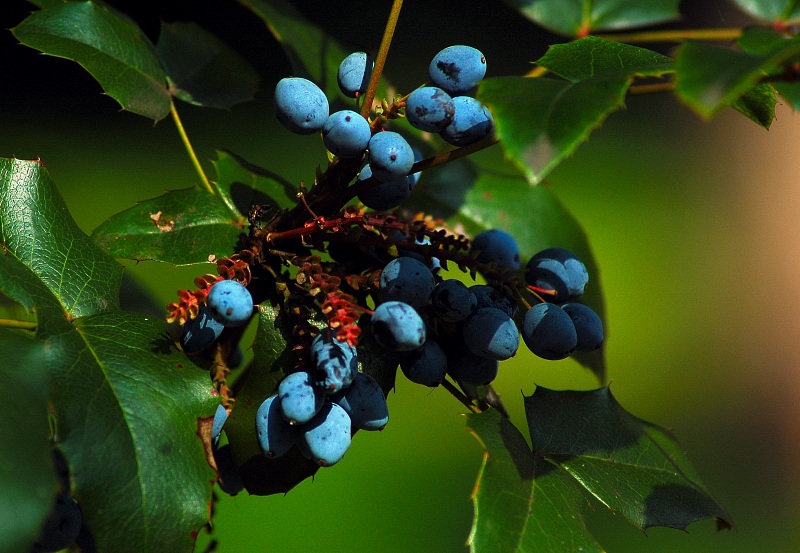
point(189, 149)
point(24, 325)
point(456, 393)
point(380, 60)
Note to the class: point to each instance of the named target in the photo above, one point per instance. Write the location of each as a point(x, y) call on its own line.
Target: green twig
point(13, 323)
point(380, 60)
point(678, 35)
point(188, 145)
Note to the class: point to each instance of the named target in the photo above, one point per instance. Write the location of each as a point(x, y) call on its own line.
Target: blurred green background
point(693, 223)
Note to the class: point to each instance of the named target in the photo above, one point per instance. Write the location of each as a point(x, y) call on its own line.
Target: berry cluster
point(444, 108)
point(325, 260)
point(465, 331)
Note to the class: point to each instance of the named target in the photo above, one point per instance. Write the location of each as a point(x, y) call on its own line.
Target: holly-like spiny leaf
point(190, 225)
point(126, 402)
point(632, 466)
point(479, 200)
point(109, 46)
point(521, 503)
point(541, 121)
point(710, 77)
point(202, 70)
point(533, 500)
point(581, 17)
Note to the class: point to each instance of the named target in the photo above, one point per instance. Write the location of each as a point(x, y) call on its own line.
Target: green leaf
point(203, 70)
point(27, 476)
point(632, 466)
point(593, 57)
point(542, 121)
point(190, 225)
point(126, 402)
point(180, 227)
point(72, 276)
point(521, 502)
point(109, 46)
point(581, 17)
point(758, 104)
point(761, 41)
point(272, 356)
point(709, 78)
point(476, 201)
point(773, 11)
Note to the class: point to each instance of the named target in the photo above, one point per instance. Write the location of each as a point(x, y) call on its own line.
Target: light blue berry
point(326, 438)
point(491, 333)
point(346, 134)
point(275, 435)
point(390, 156)
point(201, 332)
point(457, 69)
point(300, 105)
point(549, 332)
point(471, 122)
point(230, 303)
point(397, 326)
point(407, 280)
point(430, 109)
point(300, 398)
point(496, 246)
point(354, 74)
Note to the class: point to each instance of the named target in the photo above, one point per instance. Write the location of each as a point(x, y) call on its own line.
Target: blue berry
point(453, 301)
point(407, 280)
point(560, 270)
point(346, 134)
point(229, 480)
point(588, 326)
point(201, 332)
point(549, 332)
point(489, 296)
point(335, 363)
point(430, 109)
point(397, 326)
point(326, 438)
point(457, 69)
point(383, 196)
point(491, 333)
point(300, 399)
point(496, 246)
point(354, 74)
point(465, 366)
point(220, 416)
point(62, 525)
point(471, 122)
point(390, 156)
point(426, 365)
point(230, 303)
point(364, 402)
point(275, 435)
point(300, 105)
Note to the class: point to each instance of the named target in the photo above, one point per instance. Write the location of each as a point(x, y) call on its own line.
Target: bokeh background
point(694, 225)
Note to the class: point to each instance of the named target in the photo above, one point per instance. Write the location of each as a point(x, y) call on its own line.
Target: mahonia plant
point(399, 252)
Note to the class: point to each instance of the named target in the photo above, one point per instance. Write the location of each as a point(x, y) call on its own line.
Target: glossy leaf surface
point(532, 500)
point(190, 225)
point(711, 77)
point(126, 402)
point(109, 46)
point(559, 115)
